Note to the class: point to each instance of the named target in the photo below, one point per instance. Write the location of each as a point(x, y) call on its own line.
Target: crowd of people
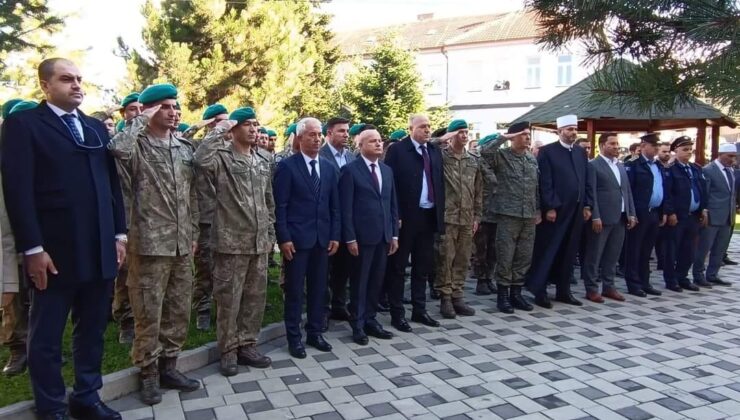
point(89, 205)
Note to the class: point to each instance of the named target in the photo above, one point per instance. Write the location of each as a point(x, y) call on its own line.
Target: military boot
point(203, 322)
point(250, 356)
point(462, 308)
point(17, 361)
point(445, 307)
point(228, 366)
point(518, 301)
point(482, 289)
point(492, 286)
point(126, 331)
point(170, 377)
point(149, 378)
point(502, 300)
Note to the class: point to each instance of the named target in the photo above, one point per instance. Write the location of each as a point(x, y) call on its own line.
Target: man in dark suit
point(336, 153)
point(417, 172)
point(307, 227)
point(369, 230)
point(66, 209)
point(563, 166)
point(684, 216)
point(612, 209)
point(714, 238)
point(650, 193)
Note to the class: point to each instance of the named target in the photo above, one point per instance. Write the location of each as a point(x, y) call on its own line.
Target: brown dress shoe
point(594, 297)
point(613, 294)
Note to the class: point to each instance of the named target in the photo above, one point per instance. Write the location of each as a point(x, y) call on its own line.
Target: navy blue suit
point(680, 240)
point(641, 238)
point(370, 218)
point(563, 189)
point(418, 225)
point(310, 221)
point(66, 198)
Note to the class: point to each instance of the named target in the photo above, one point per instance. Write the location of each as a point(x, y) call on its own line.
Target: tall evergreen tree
point(20, 21)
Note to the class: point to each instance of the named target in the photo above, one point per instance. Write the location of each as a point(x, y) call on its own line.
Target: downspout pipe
point(443, 50)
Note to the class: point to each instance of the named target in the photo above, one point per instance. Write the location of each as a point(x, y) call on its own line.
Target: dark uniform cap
point(681, 141)
point(520, 126)
point(652, 138)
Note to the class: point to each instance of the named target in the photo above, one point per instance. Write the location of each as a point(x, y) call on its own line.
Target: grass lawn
point(116, 356)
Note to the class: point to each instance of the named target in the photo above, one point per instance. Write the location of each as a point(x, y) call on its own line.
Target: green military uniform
point(463, 201)
point(484, 239)
point(242, 236)
point(164, 215)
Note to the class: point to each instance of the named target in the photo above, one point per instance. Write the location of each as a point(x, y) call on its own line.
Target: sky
point(94, 25)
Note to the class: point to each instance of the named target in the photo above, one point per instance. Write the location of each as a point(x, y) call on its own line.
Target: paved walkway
point(670, 357)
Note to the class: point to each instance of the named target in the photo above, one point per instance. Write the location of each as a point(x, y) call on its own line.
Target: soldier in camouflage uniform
point(484, 239)
point(203, 289)
point(516, 209)
point(242, 235)
point(463, 199)
point(163, 231)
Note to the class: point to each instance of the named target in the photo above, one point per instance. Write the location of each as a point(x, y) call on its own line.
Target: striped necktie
point(315, 178)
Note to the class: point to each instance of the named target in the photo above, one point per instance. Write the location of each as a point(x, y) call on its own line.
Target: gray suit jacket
point(325, 152)
point(605, 194)
point(721, 203)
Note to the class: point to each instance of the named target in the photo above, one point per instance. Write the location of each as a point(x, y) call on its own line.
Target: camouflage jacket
point(517, 190)
point(244, 209)
point(164, 208)
point(463, 188)
point(206, 191)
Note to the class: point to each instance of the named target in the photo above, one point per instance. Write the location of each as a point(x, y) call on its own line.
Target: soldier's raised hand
point(227, 124)
point(149, 112)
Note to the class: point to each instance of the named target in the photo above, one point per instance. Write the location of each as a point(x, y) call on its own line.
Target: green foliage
point(275, 56)
point(20, 21)
point(684, 48)
point(388, 90)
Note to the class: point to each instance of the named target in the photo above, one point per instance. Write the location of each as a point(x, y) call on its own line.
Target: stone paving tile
point(672, 356)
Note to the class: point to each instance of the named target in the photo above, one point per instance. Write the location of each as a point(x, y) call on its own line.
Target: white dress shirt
point(722, 170)
point(377, 171)
point(424, 199)
point(339, 157)
point(566, 145)
point(60, 112)
point(614, 166)
point(308, 164)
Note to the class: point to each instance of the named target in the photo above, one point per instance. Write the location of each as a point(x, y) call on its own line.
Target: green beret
point(488, 139)
point(356, 129)
point(7, 106)
point(156, 93)
point(22, 106)
point(271, 133)
point(120, 126)
point(263, 130)
point(242, 114)
point(213, 110)
point(182, 127)
point(398, 135)
point(457, 125)
point(131, 98)
point(291, 129)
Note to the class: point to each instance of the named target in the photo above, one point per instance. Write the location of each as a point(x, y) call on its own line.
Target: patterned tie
point(428, 173)
point(376, 182)
point(69, 119)
point(730, 180)
point(315, 178)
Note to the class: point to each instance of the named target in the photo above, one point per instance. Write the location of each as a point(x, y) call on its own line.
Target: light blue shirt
point(339, 157)
point(424, 199)
point(694, 202)
point(657, 198)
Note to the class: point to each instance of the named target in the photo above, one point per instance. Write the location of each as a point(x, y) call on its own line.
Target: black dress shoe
point(424, 319)
point(650, 290)
point(401, 325)
point(675, 288)
point(318, 342)
point(727, 261)
point(359, 337)
point(703, 283)
point(569, 299)
point(543, 301)
point(378, 332)
point(299, 352)
point(340, 314)
point(688, 286)
point(720, 282)
point(639, 293)
point(97, 411)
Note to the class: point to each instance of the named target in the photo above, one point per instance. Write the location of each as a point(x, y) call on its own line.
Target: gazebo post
point(591, 136)
point(701, 146)
point(715, 141)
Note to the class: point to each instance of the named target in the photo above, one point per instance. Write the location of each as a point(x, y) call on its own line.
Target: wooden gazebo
point(604, 118)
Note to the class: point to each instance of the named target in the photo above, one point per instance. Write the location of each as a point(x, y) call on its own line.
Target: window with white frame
point(533, 72)
point(565, 70)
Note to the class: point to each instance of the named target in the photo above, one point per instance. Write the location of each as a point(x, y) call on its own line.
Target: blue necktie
point(69, 119)
point(730, 178)
point(694, 184)
point(315, 178)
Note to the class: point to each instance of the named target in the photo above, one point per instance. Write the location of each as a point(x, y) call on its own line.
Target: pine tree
point(20, 21)
point(684, 48)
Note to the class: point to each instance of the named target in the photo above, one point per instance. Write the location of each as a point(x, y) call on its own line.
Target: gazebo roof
point(609, 117)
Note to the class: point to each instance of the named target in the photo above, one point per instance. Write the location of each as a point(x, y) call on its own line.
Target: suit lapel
point(362, 167)
point(303, 169)
point(51, 119)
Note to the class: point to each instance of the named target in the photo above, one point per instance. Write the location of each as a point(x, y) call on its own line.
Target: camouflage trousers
point(203, 290)
point(484, 253)
point(160, 289)
point(14, 329)
point(515, 238)
point(453, 257)
point(121, 304)
point(239, 288)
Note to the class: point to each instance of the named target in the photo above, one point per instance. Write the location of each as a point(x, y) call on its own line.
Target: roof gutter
point(443, 50)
